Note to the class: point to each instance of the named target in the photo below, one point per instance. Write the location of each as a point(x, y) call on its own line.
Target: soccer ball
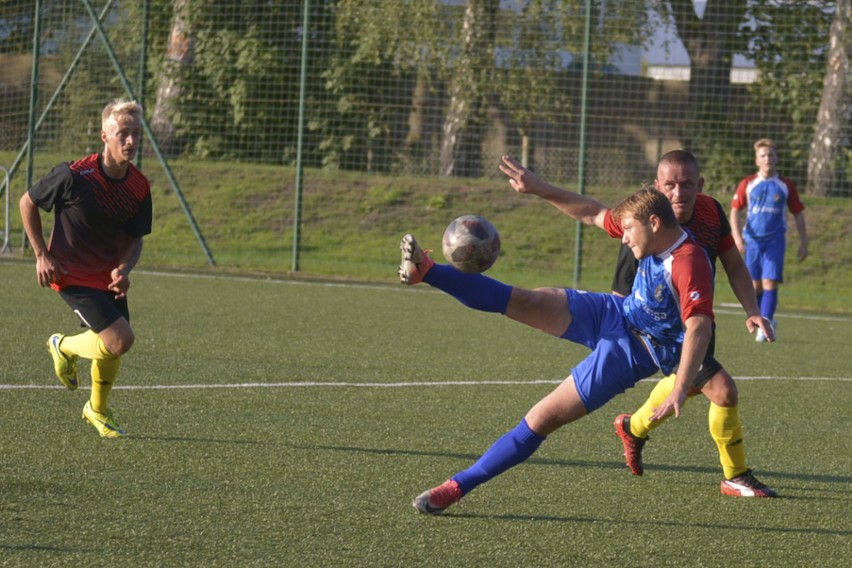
point(471, 243)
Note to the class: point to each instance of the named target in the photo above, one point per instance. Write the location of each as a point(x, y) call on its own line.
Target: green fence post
point(303, 74)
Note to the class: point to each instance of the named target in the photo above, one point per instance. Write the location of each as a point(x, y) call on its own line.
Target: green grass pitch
point(282, 423)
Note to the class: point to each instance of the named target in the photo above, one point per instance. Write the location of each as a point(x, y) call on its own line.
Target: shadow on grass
point(841, 479)
point(37, 548)
point(645, 523)
point(196, 440)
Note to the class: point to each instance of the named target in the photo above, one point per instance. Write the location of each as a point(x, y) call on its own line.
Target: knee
point(120, 343)
point(721, 390)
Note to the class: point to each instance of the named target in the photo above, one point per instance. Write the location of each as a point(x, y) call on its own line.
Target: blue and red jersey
point(766, 201)
point(708, 226)
point(669, 288)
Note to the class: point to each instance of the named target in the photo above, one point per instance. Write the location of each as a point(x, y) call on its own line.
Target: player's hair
point(118, 108)
point(764, 143)
point(681, 158)
point(644, 203)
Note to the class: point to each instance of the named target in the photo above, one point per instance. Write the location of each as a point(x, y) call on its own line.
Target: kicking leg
point(545, 309)
point(561, 406)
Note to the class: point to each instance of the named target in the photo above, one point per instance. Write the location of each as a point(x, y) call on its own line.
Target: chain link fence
point(436, 88)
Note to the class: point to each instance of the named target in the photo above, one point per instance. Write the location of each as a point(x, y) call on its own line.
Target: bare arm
point(803, 234)
point(735, 218)
point(699, 330)
point(580, 207)
point(48, 269)
point(120, 275)
point(740, 281)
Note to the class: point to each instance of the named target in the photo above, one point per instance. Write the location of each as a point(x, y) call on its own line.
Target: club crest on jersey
point(658, 293)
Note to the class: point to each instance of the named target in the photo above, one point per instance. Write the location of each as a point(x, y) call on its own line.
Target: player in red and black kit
point(102, 207)
point(679, 178)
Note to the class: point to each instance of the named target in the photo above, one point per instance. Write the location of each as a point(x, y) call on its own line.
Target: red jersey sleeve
point(740, 200)
point(612, 227)
point(794, 204)
point(692, 277)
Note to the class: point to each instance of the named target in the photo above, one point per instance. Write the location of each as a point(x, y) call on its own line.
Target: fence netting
point(443, 88)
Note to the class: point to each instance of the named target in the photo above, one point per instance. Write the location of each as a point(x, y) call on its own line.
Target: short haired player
point(666, 323)
point(102, 209)
point(765, 197)
point(679, 179)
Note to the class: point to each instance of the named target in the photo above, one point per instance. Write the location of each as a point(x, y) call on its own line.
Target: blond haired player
point(102, 209)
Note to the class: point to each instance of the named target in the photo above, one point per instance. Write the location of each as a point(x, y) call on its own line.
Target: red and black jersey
point(96, 218)
point(709, 227)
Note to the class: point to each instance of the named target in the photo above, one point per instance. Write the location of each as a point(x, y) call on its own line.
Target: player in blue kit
point(766, 197)
point(665, 323)
point(679, 179)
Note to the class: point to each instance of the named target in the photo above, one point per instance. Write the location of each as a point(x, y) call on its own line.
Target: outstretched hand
point(522, 179)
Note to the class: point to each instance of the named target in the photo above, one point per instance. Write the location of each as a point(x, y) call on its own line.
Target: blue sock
point(513, 448)
point(768, 303)
point(473, 290)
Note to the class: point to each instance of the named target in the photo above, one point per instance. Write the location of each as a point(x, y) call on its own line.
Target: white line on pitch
point(313, 384)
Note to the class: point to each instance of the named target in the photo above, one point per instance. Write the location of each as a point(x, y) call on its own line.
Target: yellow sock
point(640, 423)
point(104, 372)
point(727, 432)
point(105, 365)
point(83, 345)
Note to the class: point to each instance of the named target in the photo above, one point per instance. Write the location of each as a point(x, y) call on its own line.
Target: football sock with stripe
point(473, 290)
point(105, 365)
point(508, 451)
point(727, 432)
point(104, 372)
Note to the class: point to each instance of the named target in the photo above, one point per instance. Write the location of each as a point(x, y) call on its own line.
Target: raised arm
point(580, 207)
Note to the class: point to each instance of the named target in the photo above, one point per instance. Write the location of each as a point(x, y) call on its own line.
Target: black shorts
point(710, 366)
point(96, 309)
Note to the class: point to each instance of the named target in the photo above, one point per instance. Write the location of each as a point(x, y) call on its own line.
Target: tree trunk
point(178, 56)
point(462, 132)
point(709, 42)
point(827, 141)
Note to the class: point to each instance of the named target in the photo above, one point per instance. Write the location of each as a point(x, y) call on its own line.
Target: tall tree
point(711, 41)
point(789, 45)
point(178, 57)
point(832, 115)
point(460, 147)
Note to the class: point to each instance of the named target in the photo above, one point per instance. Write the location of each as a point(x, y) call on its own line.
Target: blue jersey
point(766, 201)
point(669, 288)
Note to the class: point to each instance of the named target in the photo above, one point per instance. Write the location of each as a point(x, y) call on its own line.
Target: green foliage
point(788, 43)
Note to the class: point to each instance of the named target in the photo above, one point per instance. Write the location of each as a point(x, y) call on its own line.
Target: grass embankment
point(351, 223)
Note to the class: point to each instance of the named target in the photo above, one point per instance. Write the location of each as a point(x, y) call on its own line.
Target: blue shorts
point(765, 258)
point(618, 358)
